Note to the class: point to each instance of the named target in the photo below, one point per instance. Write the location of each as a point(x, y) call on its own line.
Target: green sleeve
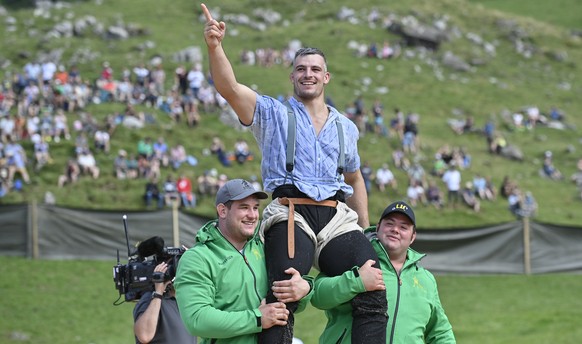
point(307, 298)
point(331, 292)
point(439, 329)
point(195, 293)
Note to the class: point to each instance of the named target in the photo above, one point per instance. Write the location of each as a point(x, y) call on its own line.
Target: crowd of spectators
point(45, 104)
point(443, 184)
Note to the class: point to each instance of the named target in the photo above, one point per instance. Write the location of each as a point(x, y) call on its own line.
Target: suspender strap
point(291, 130)
point(342, 154)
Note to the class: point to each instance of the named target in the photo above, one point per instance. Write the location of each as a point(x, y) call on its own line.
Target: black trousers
point(339, 255)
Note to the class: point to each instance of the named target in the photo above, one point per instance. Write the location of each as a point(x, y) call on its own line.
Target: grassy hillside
point(417, 82)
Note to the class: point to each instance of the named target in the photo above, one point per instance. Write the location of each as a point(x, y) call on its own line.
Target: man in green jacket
point(221, 282)
point(414, 308)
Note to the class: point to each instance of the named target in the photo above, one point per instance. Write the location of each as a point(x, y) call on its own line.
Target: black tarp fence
point(50, 232)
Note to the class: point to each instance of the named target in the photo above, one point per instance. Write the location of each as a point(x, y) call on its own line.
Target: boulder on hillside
point(512, 152)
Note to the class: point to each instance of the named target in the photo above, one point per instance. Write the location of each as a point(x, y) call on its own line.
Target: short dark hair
point(309, 51)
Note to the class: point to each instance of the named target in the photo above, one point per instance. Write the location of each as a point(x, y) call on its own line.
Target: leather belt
point(291, 221)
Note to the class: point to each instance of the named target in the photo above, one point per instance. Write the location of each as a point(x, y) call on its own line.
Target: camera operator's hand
point(272, 314)
point(291, 290)
point(146, 324)
point(161, 286)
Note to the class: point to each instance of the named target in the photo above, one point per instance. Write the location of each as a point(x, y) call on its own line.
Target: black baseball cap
point(399, 207)
point(237, 189)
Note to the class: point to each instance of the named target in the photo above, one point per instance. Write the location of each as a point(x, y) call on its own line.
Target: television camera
point(137, 276)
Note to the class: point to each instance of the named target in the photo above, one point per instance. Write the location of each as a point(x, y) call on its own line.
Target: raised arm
point(241, 98)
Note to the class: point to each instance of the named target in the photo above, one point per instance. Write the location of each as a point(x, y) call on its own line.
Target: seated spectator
point(439, 166)
point(481, 188)
point(410, 141)
point(518, 121)
point(514, 199)
point(132, 167)
point(184, 187)
point(415, 193)
point(177, 156)
point(152, 192)
point(399, 159)
point(120, 165)
point(154, 169)
point(222, 179)
point(145, 148)
point(534, 117)
point(161, 151)
point(71, 174)
point(16, 160)
point(434, 195)
point(522, 205)
point(101, 141)
point(207, 184)
point(549, 169)
point(242, 151)
point(143, 166)
point(529, 205)
point(397, 124)
point(506, 187)
point(498, 143)
point(416, 173)
point(462, 126)
point(4, 187)
point(61, 128)
point(469, 198)
point(367, 174)
point(385, 177)
point(490, 188)
point(41, 152)
point(171, 195)
point(88, 164)
point(217, 147)
point(556, 115)
point(176, 110)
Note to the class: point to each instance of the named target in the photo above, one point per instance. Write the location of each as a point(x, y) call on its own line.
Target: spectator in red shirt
point(184, 186)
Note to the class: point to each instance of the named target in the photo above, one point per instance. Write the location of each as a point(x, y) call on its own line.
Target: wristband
point(259, 324)
point(156, 295)
point(355, 271)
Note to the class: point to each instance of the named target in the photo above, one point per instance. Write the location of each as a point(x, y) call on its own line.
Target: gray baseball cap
point(237, 189)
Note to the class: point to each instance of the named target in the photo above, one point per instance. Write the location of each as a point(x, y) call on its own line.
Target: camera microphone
point(150, 247)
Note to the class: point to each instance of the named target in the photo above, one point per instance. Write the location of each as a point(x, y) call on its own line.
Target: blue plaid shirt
point(316, 157)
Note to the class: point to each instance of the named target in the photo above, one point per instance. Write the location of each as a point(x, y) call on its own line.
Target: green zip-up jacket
point(219, 289)
point(414, 307)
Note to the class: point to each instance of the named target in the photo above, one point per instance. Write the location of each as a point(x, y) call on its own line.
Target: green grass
point(528, 81)
point(566, 13)
point(70, 302)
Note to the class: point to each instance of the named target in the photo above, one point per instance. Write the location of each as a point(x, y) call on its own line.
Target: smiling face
point(396, 233)
point(309, 76)
point(238, 221)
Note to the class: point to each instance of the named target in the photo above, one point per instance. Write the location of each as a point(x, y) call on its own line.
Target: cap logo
point(246, 184)
point(401, 206)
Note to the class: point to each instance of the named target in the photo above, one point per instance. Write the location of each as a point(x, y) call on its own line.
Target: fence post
point(34, 225)
point(526, 246)
point(176, 223)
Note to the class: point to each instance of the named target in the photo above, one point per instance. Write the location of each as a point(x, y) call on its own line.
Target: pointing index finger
point(206, 12)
